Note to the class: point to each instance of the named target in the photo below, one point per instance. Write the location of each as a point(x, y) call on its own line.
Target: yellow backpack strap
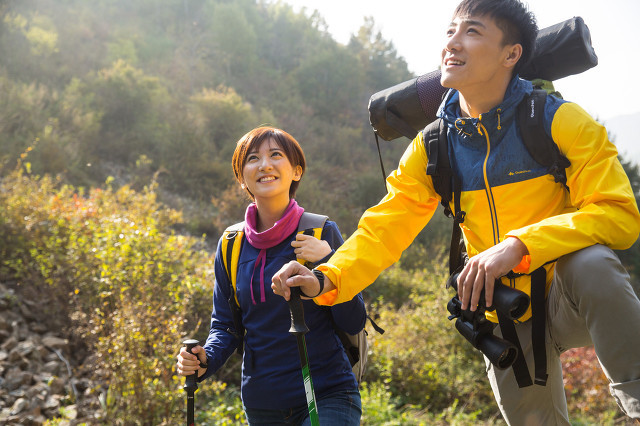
point(311, 224)
point(231, 245)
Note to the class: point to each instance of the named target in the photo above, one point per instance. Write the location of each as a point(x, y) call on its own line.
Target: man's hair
point(252, 141)
point(513, 18)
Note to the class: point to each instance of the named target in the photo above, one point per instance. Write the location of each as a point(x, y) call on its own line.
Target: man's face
point(474, 54)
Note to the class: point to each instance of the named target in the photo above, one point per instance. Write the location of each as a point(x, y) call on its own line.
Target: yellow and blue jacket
point(505, 193)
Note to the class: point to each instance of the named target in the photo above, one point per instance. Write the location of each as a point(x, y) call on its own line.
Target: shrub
point(129, 287)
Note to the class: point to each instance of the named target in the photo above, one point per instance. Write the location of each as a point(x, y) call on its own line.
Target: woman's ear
point(297, 173)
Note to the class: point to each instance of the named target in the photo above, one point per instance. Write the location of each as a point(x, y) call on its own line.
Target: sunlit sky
point(417, 28)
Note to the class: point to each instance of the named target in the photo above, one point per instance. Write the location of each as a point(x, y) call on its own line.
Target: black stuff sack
point(405, 109)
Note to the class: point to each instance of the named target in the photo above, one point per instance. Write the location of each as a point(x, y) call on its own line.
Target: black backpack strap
point(539, 145)
point(438, 165)
point(520, 369)
point(446, 184)
point(538, 318)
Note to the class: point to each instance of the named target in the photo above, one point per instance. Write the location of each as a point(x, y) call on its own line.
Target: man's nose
point(453, 42)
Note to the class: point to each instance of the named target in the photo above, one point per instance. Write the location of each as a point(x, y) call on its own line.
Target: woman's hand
point(190, 363)
point(310, 248)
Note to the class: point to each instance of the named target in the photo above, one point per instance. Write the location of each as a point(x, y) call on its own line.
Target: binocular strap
point(538, 318)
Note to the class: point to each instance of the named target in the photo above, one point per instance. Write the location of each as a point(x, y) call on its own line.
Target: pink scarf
point(269, 238)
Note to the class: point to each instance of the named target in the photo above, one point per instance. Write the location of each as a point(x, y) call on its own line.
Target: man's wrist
point(320, 277)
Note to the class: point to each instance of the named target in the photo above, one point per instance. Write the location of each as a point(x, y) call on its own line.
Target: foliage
point(631, 257)
point(128, 285)
point(155, 93)
point(587, 387)
point(421, 357)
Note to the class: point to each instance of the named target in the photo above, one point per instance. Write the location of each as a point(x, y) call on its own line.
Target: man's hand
point(483, 269)
point(293, 274)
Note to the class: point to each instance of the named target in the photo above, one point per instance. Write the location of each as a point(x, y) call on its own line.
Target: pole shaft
point(299, 329)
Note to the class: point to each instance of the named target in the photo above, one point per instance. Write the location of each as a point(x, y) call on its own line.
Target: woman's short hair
point(252, 141)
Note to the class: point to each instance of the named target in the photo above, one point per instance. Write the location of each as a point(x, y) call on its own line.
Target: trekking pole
point(299, 328)
point(190, 384)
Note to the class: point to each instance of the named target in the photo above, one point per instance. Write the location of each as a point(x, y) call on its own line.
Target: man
point(518, 218)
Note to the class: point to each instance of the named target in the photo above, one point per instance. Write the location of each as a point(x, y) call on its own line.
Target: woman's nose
point(265, 164)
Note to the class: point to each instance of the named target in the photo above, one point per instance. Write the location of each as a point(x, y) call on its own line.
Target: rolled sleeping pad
point(561, 50)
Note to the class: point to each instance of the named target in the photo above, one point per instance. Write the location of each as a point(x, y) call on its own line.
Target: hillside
point(625, 135)
point(118, 120)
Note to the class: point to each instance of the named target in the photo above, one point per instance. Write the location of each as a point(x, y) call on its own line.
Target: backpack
point(356, 346)
point(529, 116)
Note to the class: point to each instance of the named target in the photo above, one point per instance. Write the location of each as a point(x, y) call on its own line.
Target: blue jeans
point(339, 408)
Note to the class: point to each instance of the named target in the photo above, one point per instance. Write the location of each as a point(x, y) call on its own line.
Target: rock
point(55, 342)
point(16, 378)
point(35, 383)
point(53, 367)
point(18, 406)
point(56, 385)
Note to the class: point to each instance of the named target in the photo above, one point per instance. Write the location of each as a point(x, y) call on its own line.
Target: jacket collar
point(494, 120)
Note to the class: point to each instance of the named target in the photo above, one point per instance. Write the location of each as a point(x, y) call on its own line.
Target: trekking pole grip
point(190, 382)
point(298, 326)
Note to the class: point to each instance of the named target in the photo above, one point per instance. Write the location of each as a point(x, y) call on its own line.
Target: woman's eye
point(276, 154)
point(252, 157)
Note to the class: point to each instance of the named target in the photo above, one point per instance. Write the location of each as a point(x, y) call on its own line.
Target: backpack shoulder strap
point(541, 147)
point(439, 167)
point(446, 184)
point(231, 245)
point(232, 239)
point(311, 224)
point(312, 221)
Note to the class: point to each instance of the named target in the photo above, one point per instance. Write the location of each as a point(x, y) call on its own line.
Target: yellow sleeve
point(602, 207)
point(385, 230)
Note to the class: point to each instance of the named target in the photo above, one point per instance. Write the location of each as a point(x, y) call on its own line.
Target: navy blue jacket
point(271, 372)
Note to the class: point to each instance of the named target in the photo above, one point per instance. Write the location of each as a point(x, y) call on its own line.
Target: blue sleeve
point(349, 316)
point(221, 341)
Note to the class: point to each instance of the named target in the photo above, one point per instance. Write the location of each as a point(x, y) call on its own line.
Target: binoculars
point(478, 330)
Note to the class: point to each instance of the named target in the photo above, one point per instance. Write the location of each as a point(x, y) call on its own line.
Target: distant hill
point(624, 131)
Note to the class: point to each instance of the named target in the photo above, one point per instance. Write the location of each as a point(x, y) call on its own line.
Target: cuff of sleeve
point(524, 265)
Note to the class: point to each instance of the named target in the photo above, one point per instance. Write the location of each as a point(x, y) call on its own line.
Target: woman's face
point(268, 173)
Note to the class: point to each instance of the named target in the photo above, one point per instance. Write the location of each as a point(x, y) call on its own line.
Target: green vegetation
point(117, 124)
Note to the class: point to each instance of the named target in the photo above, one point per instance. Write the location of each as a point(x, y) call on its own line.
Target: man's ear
point(513, 53)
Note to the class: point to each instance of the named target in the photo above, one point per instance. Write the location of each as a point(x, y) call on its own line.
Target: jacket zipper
point(492, 205)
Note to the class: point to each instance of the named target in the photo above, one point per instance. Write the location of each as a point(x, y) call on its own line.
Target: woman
point(269, 163)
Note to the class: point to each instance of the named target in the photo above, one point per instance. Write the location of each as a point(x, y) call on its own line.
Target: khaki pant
point(591, 302)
